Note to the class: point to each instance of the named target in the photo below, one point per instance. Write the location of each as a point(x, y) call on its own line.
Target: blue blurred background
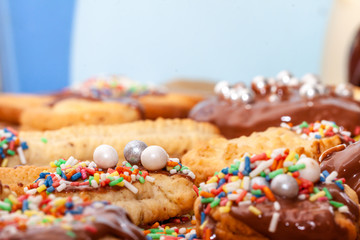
point(47, 45)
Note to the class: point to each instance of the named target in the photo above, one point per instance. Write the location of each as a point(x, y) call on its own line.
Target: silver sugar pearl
point(242, 95)
point(133, 150)
point(235, 95)
point(239, 86)
point(259, 181)
point(310, 91)
point(222, 88)
point(294, 82)
point(272, 81)
point(311, 79)
point(284, 77)
point(285, 186)
point(344, 90)
point(236, 91)
point(260, 84)
point(247, 96)
point(274, 98)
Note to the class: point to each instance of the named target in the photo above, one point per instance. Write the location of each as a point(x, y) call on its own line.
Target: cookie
point(48, 216)
point(156, 101)
point(176, 136)
point(217, 153)
point(238, 110)
point(147, 195)
point(169, 105)
point(75, 111)
point(257, 199)
point(12, 105)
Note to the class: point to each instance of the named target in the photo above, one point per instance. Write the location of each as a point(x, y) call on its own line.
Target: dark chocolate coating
point(109, 221)
point(237, 119)
point(347, 164)
point(299, 219)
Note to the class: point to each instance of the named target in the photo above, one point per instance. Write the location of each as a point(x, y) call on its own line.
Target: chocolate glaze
point(354, 61)
point(347, 164)
point(109, 221)
point(239, 119)
point(299, 219)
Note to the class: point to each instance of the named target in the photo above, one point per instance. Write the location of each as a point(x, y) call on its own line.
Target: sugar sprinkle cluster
point(113, 86)
point(260, 178)
point(75, 175)
point(166, 232)
point(319, 130)
point(11, 144)
point(26, 211)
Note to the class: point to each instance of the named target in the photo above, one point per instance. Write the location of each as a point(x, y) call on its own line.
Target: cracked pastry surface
point(218, 153)
point(176, 136)
point(160, 196)
point(73, 111)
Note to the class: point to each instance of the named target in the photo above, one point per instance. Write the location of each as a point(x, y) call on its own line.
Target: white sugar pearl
point(285, 186)
point(105, 156)
point(154, 158)
point(311, 171)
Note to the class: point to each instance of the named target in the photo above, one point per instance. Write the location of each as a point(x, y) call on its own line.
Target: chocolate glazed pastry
point(260, 197)
point(238, 110)
point(299, 219)
point(110, 221)
point(346, 162)
point(67, 94)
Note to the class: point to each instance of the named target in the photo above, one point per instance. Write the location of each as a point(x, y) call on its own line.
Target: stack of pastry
point(278, 160)
point(101, 100)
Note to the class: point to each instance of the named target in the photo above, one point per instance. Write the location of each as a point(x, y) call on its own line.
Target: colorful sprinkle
point(10, 144)
point(247, 185)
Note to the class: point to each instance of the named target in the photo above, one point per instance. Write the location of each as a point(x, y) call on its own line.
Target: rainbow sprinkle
point(44, 210)
point(108, 87)
point(11, 144)
point(319, 130)
point(75, 175)
point(166, 232)
point(231, 186)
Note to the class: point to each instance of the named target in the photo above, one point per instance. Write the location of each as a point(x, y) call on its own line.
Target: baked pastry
point(12, 105)
point(153, 188)
point(47, 216)
point(346, 162)
point(156, 101)
point(217, 153)
point(264, 197)
point(238, 110)
point(176, 136)
point(101, 100)
point(78, 111)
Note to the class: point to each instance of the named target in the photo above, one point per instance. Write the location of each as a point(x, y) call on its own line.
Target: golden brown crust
point(70, 112)
point(168, 196)
point(218, 153)
point(170, 105)
point(21, 175)
point(12, 105)
point(228, 227)
point(176, 136)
